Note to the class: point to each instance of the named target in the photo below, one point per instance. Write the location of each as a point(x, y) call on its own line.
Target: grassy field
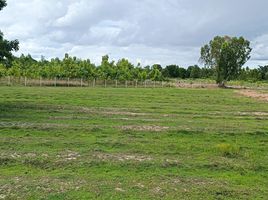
point(84, 143)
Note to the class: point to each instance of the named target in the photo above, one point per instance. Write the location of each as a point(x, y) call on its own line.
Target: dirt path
point(254, 94)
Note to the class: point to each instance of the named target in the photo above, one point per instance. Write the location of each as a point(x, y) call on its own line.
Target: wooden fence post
point(81, 83)
point(25, 81)
point(126, 84)
point(8, 81)
point(116, 84)
point(40, 81)
point(136, 84)
point(94, 82)
point(68, 82)
point(105, 83)
point(55, 82)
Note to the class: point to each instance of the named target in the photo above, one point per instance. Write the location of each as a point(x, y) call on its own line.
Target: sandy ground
point(254, 94)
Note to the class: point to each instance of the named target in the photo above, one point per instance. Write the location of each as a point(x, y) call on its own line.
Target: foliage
point(226, 55)
point(3, 70)
point(2, 4)
point(73, 67)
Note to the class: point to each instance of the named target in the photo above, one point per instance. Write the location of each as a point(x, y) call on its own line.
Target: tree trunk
point(221, 84)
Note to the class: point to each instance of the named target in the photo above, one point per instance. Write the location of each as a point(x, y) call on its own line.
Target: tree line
point(73, 67)
point(223, 58)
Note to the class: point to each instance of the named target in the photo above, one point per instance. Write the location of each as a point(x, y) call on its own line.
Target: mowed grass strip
point(84, 143)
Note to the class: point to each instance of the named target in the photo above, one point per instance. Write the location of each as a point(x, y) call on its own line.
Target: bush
point(3, 71)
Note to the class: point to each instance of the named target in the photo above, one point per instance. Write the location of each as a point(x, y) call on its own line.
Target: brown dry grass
point(145, 128)
point(122, 157)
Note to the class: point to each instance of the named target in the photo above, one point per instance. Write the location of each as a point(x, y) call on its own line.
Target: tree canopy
point(226, 55)
point(123, 69)
point(6, 47)
point(2, 4)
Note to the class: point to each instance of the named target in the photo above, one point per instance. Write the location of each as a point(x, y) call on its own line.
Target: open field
point(97, 143)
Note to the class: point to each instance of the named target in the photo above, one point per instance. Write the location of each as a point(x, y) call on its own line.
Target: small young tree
point(226, 55)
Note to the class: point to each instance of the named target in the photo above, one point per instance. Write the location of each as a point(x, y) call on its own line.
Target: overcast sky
point(146, 31)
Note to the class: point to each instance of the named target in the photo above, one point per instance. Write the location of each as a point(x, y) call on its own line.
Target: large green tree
point(2, 4)
point(226, 55)
point(6, 47)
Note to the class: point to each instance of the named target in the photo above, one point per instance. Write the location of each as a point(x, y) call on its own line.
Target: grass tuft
point(228, 150)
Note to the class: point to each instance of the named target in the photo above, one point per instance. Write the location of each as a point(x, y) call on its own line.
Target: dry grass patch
point(145, 128)
point(110, 111)
point(253, 113)
point(21, 187)
point(68, 156)
point(68, 118)
point(27, 125)
point(122, 157)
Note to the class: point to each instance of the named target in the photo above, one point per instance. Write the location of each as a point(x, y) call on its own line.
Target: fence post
point(126, 84)
point(154, 84)
point(55, 83)
point(81, 82)
point(8, 81)
point(25, 81)
point(105, 83)
point(68, 82)
point(136, 84)
point(94, 82)
point(145, 84)
point(162, 84)
point(116, 83)
point(40, 81)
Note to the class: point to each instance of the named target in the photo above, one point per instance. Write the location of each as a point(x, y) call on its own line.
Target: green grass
point(84, 143)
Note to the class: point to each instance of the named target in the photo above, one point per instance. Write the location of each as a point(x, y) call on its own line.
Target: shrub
point(3, 71)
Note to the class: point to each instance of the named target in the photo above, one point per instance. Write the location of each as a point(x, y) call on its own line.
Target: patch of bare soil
point(145, 128)
point(254, 94)
point(194, 85)
point(122, 157)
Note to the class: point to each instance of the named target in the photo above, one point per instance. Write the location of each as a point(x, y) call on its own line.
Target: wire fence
point(68, 82)
point(76, 82)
